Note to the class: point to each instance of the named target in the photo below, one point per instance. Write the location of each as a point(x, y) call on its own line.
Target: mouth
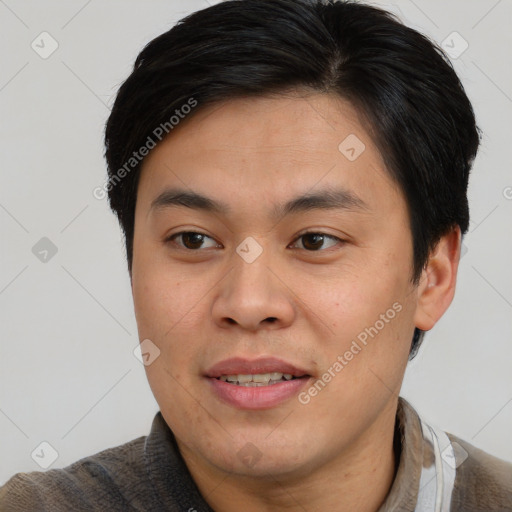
point(259, 379)
point(266, 371)
point(256, 384)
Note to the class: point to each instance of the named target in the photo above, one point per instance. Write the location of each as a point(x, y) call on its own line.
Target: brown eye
point(312, 241)
point(191, 240)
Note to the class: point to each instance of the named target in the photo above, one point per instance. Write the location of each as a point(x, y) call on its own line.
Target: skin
point(204, 304)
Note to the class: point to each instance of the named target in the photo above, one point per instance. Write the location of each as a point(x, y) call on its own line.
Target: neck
point(357, 479)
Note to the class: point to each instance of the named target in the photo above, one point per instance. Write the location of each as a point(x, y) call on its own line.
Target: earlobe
point(437, 284)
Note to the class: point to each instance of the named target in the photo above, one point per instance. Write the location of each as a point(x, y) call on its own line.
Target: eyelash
point(171, 238)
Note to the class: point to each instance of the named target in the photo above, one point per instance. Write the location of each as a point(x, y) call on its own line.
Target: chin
point(256, 456)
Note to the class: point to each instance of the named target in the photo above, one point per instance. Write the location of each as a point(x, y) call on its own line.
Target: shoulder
point(115, 476)
point(482, 482)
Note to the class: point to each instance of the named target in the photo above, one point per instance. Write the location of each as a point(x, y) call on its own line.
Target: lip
point(260, 397)
point(239, 365)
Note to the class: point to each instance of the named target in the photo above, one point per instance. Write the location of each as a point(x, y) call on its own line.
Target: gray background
point(68, 373)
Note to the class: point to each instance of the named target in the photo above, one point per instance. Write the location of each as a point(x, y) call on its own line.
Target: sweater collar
point(168, 473)
point(403, 494)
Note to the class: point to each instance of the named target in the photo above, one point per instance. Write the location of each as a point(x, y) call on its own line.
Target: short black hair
point(400, 82)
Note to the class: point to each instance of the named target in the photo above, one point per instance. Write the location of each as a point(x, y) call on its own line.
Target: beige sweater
point(148, 474)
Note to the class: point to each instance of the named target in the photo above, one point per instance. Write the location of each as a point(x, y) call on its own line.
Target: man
point(291, 180)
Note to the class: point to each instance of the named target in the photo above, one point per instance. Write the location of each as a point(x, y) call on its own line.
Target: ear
point(437, 283)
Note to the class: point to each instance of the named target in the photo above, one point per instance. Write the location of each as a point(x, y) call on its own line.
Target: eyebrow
point(325, 199)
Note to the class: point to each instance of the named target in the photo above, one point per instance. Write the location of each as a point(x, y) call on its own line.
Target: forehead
point(268, 147)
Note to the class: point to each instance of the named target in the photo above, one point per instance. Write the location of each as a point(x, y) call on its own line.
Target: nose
point(255, 295)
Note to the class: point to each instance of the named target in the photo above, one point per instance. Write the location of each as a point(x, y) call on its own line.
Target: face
point(241, 289)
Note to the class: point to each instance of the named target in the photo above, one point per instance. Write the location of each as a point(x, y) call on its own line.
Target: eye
point(192, 240)
point(314, 240)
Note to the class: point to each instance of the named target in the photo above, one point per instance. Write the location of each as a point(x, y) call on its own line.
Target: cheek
point(169, 312)
point(161, 301)
point(370, 319)
point(351, 302)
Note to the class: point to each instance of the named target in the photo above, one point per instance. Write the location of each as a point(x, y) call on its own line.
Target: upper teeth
point(260, 378)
